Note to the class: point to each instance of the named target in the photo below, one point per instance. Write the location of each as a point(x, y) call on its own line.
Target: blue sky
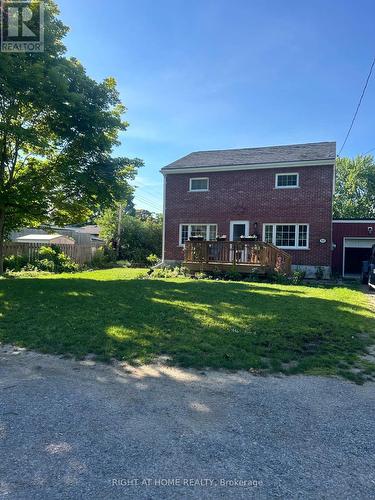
point(214, 74)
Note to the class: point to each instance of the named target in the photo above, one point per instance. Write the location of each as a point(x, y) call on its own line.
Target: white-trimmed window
point(208, 231)
point(287, 235)
point(286, 181)
point(198, 184)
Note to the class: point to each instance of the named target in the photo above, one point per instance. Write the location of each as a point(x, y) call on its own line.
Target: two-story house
point(282, 193)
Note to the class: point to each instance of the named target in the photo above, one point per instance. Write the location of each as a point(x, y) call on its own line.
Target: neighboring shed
point(93, 230)
point(86, 237)
point(48, 239)
point(353, 240)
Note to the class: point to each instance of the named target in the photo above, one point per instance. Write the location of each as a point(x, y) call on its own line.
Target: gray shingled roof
point(249, 156)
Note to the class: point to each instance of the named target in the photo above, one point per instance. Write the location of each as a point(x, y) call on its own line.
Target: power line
point(358, 106)
point(149, 203)
point(147, 200)
point(369, 151)
point(151, 197)
point(143, 191)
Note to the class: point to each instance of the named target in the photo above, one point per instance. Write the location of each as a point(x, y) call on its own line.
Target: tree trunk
point(119, 222)
point(2, 227)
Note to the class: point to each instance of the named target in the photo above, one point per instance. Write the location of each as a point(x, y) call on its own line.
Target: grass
point(233, 325)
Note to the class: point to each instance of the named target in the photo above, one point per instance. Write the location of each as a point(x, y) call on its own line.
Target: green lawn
point(234, 325)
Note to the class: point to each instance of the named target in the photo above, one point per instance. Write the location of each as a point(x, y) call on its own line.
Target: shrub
point(140, 236)
point(253, 277)
point(297, 277)
point(48, 253)
point(281, 278)
point(27, 272)
point(52, 259)
point(104, 258)
point(100, 259)
point(15, 262)
point(319, 273)
point(122, 263)
point(45, 265)
point(201, 276)
point(49, 259)
point(233, 275)
point(152, 259)
point(168, 272)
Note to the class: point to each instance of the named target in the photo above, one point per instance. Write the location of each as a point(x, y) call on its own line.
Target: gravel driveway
point(80, 430)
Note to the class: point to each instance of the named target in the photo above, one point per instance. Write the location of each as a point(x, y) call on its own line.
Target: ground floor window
point(208, 231)
point(287, 235)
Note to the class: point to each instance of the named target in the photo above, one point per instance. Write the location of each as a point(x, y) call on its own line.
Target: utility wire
point(151, 204)
point(147, 200)
point(358, 106)
point(148, 196)
point(369, 151)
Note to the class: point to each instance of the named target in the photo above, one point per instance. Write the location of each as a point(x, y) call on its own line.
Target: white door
point(239, 228)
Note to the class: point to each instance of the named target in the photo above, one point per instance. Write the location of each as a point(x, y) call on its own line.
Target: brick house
point(281, 193)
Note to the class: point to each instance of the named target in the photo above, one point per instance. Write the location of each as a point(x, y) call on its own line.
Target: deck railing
point(238, 253)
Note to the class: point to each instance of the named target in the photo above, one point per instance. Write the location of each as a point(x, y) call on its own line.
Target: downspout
point(333, 194)
point(164, 196)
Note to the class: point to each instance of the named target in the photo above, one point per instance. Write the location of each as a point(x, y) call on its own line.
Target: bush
point(102, 258)
point(297, 277)
point(139, 236)
point(319, 273)
point(201, 276)
point(49, 259)
point(45, 265)
point(233, 275)
point(53, 260)
point(168, 272)
point(152, 259)
point(48, 253)
point(27, 272)
point(123, 263)
point(15, 262)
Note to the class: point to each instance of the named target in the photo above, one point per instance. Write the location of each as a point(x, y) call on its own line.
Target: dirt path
point(83, 430)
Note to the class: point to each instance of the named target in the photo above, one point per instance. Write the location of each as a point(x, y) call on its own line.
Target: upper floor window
point(198, 184)
point(287, 181)
point(287, 235)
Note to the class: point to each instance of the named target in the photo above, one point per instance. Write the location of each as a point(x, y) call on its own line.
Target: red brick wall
point(343, 230)
point(251, 195)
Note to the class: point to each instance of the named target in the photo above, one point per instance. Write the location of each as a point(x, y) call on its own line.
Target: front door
point(239, 228)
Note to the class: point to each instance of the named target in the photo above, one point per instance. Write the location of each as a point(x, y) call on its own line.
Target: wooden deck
point(242, 256)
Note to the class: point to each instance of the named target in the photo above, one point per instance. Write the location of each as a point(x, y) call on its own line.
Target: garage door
point(356, 250)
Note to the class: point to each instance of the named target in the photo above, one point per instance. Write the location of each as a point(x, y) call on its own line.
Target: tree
point(138, 238)
point(58, 128)
point(143, 214)
point(355, 188)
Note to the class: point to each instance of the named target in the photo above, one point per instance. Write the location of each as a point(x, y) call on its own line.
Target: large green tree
point(58, 128)
point(355, 188)
point(140, 235)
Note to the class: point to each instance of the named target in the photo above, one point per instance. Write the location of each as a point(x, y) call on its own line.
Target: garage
point(356, 250)
point(352, 241)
